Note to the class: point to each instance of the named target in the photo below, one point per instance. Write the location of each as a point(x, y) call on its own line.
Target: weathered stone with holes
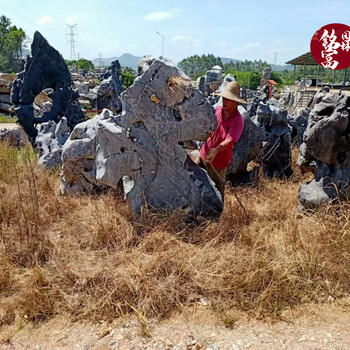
point(246, 150)
point(45, 69)
point(160, 111)
point(276, 157)
point(144, 63)
point(50, 140)
point(108, 92)
point(298, 122)
point(210, 82)
point(326, 149)
point(11, 137)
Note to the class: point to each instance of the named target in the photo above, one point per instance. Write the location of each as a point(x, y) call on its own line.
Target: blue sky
point(247, 29)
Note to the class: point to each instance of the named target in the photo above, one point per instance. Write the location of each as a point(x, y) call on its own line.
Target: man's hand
point(210, 156)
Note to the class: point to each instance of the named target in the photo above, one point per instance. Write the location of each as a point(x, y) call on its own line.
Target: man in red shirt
point(217, 150)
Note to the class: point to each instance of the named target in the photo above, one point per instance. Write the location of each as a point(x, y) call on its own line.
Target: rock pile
point(11, 136)
point(160, 111)
point(326, 150)
point(6, 81)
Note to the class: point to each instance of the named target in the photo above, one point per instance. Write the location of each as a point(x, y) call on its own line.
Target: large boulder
point(45, 69)
point(211, 81)
point(271, 118)
point(161, 110)
point(326, 149)
point(108, 92)
point(246, 150)
point(49, 142)
point(298, 122)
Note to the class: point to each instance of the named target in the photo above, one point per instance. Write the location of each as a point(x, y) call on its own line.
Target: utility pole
point(72, 40)
point(275, 60)
point(99, 59)
point(162, 43)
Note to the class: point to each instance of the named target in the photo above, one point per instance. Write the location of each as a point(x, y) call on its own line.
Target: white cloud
point(158, 16)
point(77, 18)
point(246, 46)
point(186, 41)
point(252, 45)
point(45, 20)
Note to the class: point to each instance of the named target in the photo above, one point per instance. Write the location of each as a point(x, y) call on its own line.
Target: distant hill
point(225, 60)
point(274, 67)
point(129, 60)
point(125, 60)
point(281, 68)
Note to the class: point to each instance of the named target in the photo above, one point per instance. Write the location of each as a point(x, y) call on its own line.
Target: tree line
point(12, 42)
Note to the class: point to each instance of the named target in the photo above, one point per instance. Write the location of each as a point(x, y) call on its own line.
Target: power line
point(72, 40)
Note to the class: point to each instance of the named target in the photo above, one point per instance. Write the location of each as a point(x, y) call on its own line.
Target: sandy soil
point(310, 327)
point(9, 126)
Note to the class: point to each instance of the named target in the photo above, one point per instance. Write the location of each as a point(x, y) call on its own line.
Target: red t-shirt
point(228, 129)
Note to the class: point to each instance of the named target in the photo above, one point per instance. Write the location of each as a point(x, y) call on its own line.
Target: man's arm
point(215, 150)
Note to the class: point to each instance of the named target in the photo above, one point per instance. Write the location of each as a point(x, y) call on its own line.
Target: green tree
point(128, 77)
point(12, 42)
point(83, 63)
point(198, 65)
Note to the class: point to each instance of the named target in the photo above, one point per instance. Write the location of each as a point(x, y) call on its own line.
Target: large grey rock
point(160, 111)
point(45, 69)
point(276, 157)
point(11, 136)
point(246, 150)
point(108, 92)
point(50, 140)
point(210, 82)
point(298, 122)
point(144, 63)
point(326, 149)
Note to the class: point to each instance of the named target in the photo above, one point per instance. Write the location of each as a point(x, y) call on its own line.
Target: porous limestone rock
point(161, 110)
point(326, 150)
point(11, 137)
point(144, 63)
point(108, 92)
point(246, 150)
point(49, 142)
point(45, 69)
point(298, 122)
point(276, 157)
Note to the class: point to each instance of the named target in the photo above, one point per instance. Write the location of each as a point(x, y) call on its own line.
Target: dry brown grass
point(87, 257)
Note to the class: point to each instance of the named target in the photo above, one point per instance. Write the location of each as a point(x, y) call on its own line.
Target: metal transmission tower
point(276, 53)
point(72, 40)
point(100, 60)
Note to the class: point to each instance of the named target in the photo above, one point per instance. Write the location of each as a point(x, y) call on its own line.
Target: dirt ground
point(9, 126)
point(309, 327)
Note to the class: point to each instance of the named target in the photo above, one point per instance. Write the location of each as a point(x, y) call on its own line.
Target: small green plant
point(6, 119)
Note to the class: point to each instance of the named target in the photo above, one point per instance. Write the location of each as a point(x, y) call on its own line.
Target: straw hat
point(232, 91)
